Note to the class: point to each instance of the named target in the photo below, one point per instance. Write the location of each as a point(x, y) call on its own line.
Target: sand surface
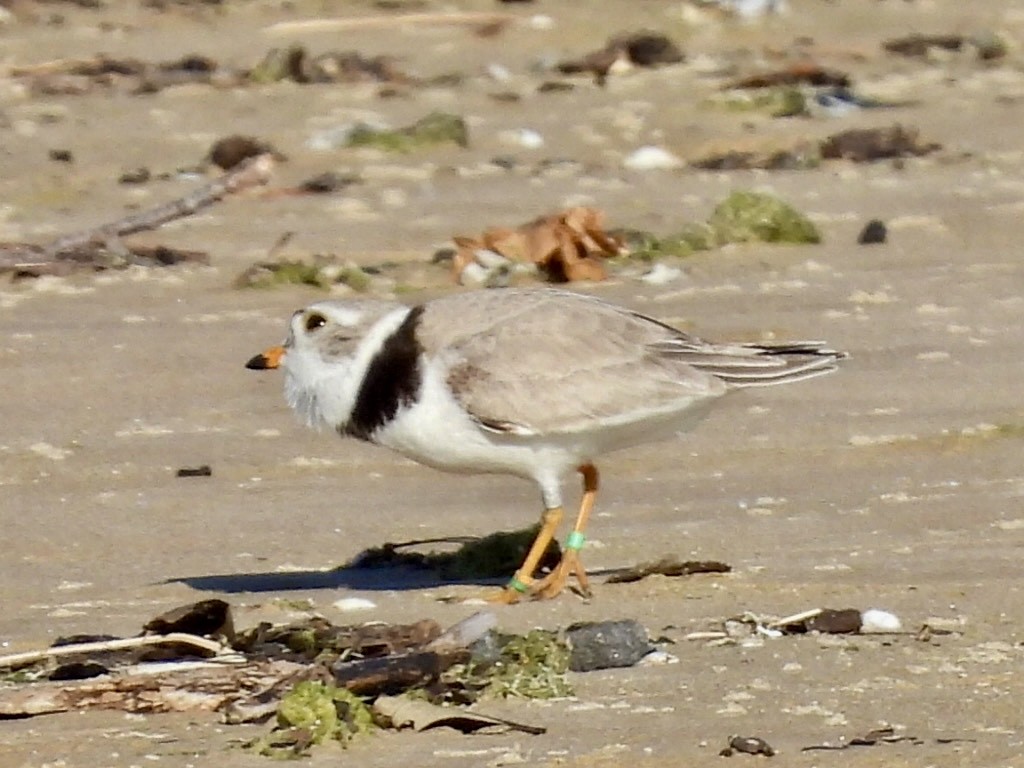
point(895, 484)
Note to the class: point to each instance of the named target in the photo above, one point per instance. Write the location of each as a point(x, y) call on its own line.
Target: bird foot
point(503, 596)
point(553, 584)
point(546, 588)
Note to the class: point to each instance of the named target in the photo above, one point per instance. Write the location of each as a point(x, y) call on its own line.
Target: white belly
point(437, 432)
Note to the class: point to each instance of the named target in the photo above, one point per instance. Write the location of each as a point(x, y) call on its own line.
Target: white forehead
point(347, 315)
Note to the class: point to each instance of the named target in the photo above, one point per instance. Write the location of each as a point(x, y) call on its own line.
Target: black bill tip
point(258, 363)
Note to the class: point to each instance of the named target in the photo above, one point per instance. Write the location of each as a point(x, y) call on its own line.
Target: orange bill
point(270, 358)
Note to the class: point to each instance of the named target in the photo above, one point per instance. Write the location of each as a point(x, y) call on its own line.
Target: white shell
point(874, 620)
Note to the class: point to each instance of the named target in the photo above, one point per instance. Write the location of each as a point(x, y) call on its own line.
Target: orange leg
point(522, 583)
point(554, 583)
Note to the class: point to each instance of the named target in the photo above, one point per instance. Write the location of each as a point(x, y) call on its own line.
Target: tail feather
point(759, 364)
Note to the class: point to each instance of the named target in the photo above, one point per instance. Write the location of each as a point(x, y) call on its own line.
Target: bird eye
point(315, 320)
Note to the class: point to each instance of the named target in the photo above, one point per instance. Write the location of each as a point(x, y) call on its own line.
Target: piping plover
point(533, 383)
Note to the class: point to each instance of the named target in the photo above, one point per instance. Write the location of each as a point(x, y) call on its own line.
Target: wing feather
point(550, 361)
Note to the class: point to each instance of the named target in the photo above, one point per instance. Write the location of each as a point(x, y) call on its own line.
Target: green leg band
point(518, 586)
point(575, 540)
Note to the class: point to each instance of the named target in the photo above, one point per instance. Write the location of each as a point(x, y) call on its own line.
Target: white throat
point(322, 391)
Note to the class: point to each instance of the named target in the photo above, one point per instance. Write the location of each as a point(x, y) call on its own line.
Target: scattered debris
point(820, 620)
point(566, 245)
point(319, 682)
point(101, 247)
point(884, 735)
point(747, 745)
point(204, 470)
point(804, 155)
point(296, 65)
point(435, 128)
point(667, 566)
point(987, 46)
point(79, 76)
point(645, 49)
point(804, 73)
point(316, 638)
point(25, 260)
point(858, 145)
point(323, 271)
point(864, 145)
point(606, 644)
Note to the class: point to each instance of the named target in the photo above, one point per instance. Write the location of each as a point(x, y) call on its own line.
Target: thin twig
point(796, 618)
point(181, 638)
point(252, 172)
point(468, 18)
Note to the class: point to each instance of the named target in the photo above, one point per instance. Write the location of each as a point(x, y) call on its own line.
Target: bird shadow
point(375, 579)
point(390, 567)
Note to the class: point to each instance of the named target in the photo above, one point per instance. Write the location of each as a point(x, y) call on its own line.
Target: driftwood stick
point(181, 638)
point(17, 256)
point(252, 172)
point(467, 18)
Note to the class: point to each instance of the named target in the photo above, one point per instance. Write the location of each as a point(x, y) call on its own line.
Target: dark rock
point(747, 745)
point(205, 618)
point(874, 232)
point(78, 670)
point(605, 644)
point(836, 622)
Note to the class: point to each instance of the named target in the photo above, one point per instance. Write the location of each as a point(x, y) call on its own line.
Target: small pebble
point(651, 158)
point(61, 155)
point(660, 274)
point(138, 175)
point(657, 659)
point(354, 604)
point(523, 137)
